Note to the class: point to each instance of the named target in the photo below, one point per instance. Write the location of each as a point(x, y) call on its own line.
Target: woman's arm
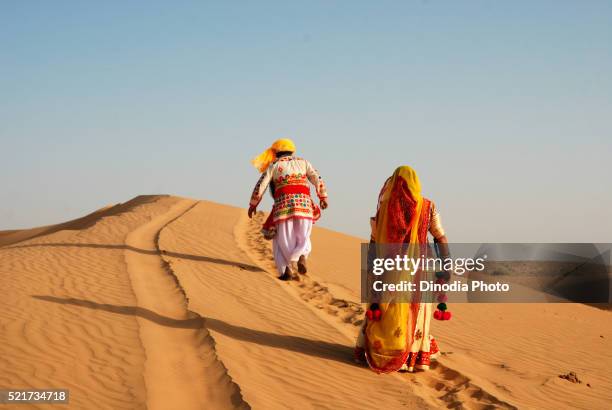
point(437, 231)
point(443, 246)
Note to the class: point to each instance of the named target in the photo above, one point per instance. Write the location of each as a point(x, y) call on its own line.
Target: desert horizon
point(166, 302)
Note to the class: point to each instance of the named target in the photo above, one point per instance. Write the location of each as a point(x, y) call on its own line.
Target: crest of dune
point(173, 303)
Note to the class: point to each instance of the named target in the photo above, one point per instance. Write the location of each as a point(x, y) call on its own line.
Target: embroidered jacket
point(290, 176)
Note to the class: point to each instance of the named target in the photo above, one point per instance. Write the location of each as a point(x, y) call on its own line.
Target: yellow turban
point(263, 160)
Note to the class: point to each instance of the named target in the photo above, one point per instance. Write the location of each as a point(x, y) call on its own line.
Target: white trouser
point(291, 241)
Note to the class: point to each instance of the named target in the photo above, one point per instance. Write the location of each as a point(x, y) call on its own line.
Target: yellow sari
point(388, 341)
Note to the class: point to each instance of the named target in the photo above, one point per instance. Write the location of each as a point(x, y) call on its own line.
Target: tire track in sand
point(181, 369)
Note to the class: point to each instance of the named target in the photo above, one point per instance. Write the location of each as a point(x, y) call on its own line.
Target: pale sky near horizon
point(504, 109)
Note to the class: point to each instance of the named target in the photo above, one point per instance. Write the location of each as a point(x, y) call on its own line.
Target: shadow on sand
point(316, 348)
point(193, 323)
point(199, 258)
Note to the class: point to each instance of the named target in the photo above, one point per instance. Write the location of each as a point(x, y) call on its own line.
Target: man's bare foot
point(287, 275)
point(301, 264)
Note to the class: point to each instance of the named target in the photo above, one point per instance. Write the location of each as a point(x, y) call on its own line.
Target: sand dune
point(165, 302)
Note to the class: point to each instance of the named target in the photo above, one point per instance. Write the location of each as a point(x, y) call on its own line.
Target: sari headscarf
point(263, 160)
point(401, 192)
point(401, 221)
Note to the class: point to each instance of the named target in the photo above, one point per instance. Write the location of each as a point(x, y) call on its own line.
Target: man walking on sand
point(294, 211)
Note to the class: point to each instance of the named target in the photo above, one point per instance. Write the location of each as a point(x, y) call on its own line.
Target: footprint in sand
point(310, 291)
point(449, 386)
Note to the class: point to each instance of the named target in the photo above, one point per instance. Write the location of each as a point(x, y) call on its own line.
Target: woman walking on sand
point(290, 222)
point(396, 336)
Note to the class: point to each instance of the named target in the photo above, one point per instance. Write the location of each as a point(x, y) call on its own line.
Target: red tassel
point(373, 315)
point(440, 315)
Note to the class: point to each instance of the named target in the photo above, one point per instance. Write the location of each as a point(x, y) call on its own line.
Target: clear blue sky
point(504, 108)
